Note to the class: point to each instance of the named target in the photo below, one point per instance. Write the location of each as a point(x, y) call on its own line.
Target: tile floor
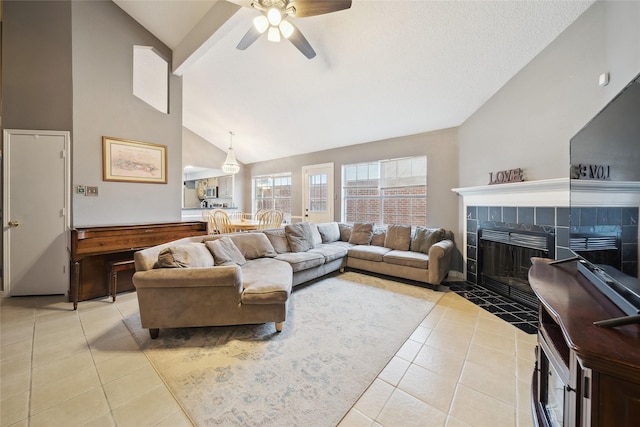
point(462, 366)
point(519, 315)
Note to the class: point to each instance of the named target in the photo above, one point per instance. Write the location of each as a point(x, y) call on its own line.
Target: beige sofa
point(246, 278)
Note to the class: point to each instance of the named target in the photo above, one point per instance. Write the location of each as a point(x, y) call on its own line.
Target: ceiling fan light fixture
point(274, 16)
point(273, 35)
point(261, 23)
point(286, 28)
point(230, 164)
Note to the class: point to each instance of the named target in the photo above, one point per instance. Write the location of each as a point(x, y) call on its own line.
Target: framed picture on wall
point(133, 161)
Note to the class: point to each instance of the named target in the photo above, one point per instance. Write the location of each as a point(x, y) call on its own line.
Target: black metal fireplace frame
point(534, 237)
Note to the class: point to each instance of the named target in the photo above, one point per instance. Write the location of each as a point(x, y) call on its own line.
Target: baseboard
point(455, 275)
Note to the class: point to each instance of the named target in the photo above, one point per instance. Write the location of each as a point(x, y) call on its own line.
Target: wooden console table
point(585, 375)
point(93, 249)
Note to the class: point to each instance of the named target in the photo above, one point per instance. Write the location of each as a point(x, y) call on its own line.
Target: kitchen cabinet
point(225, 186)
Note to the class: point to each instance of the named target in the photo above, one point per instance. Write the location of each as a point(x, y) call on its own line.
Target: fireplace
point(504, 258)
point(598, 245)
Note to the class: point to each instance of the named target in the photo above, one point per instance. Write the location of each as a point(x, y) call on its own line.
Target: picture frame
point(133, 161)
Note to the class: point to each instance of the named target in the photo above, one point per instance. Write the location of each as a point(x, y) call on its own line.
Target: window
point(273, 192)
point(151, 78)
point(386, 192)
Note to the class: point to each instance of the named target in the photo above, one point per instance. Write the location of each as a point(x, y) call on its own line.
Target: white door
point(36, 211)
point(317, 193)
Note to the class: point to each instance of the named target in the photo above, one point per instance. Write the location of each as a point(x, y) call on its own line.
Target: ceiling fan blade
point(301, 43)
point(315, 7)
point(251, 36)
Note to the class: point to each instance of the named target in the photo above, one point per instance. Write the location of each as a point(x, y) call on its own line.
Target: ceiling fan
point(273, 20)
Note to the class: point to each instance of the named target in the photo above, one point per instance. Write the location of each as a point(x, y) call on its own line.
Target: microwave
point(212, 192)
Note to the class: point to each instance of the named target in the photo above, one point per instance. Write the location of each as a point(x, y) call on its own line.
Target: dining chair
point(271, 219)
point(237, 215)
point(207, 216)
point(222, 221)
point(259, 213)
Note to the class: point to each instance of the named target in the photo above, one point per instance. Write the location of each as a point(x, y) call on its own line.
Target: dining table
point(244, 224)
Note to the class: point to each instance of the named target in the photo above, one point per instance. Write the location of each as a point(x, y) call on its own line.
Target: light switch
point(91, 191)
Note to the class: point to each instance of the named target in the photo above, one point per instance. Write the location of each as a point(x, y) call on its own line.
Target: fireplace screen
point(505, 259)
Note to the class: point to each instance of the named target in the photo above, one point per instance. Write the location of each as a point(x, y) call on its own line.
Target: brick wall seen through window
point(386, 192)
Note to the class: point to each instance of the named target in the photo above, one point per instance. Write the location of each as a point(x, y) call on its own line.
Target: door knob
point(13, 223)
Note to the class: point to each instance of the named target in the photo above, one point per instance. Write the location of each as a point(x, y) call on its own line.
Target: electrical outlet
point(79, 189)
point(91, 191)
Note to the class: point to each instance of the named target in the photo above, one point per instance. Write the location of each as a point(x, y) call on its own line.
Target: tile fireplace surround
point(545, 203)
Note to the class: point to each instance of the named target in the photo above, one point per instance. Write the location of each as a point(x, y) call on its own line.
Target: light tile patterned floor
point(463, 366)
point(58, 367)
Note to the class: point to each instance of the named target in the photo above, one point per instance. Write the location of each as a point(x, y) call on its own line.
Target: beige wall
point(197, 151)
point(441, 149)
point(528, 124)
point(103, 36)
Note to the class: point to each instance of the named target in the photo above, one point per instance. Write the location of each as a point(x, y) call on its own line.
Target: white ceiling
point(383, 69)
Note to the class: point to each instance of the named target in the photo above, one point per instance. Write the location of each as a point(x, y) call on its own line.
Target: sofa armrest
point(440, 261)
point(218, 276)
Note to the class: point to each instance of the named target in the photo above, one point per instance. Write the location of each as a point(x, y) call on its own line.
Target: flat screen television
point(605, 200)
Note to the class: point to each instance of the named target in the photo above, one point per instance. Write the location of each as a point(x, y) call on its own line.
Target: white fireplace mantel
point(547, 192)
point(605, 193)
point(558, 192)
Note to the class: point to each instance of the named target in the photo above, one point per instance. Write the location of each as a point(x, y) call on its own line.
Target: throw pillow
point(345, 231)
point(361, 233)
point(254, 245)
point(225, 251)
point(378, 237)
point(183, 256)
point(278, 240)
point(299, 236)
point(330, 232)
point(425, 238)
point(398, 237)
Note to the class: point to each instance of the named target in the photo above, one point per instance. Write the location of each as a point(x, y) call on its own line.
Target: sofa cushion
point(253, 245)
point(329, 231)
point(342, 244)
point(379, 235)
point(398, 237)
point(407, 259)
point(368, 252)
point(317, 238)
point(424, 238)
point(278, 240)
point(302, 260)
point(299, 236)
point(361, 233)
point(330, 252)
point(345, 231)
point(225, 251)
point(183, 256)
point(266, 281)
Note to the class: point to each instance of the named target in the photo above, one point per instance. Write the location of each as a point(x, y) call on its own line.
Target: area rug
point(340, 333)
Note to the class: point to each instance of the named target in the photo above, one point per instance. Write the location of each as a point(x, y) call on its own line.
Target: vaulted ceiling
point(383, 68)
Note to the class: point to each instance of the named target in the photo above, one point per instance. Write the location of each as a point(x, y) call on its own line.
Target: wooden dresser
point(93, 248)
point(585, 375)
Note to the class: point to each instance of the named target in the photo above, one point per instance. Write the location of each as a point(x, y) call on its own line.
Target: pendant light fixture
point(230, 164)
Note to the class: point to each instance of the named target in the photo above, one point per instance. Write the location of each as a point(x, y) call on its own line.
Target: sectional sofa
point(246, 278)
